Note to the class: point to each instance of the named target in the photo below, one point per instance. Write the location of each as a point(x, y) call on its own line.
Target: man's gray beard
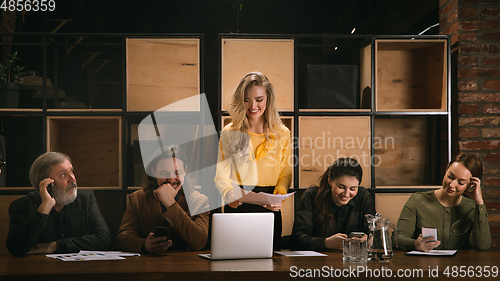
point(62, 198)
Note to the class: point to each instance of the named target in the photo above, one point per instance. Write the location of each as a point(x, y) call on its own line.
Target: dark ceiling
point(388, 17)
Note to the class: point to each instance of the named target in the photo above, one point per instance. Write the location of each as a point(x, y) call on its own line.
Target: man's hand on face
point(43, 248)
point(166, 194)
point(47, 201)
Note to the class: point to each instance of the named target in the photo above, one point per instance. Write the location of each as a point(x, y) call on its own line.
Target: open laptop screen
point(242, 236)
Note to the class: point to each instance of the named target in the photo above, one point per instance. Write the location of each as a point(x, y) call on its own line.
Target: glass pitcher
point(379, 240)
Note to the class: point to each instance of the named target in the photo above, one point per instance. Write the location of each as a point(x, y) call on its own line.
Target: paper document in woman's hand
point(262, 198)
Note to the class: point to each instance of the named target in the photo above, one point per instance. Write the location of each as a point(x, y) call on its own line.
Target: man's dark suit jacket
point(80, 226)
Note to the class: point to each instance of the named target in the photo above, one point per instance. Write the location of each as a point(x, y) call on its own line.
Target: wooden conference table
point(188, 266)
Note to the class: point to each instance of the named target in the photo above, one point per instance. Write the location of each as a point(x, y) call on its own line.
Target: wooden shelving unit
point(398, 113)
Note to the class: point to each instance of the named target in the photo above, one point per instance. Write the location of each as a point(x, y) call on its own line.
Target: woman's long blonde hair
point(237, 110)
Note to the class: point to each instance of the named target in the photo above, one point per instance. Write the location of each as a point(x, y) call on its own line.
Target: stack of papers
point(92, 255)
point(434, 253)
point(300, 254)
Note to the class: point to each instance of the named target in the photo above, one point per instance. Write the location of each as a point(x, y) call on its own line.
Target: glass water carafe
point(379, 241)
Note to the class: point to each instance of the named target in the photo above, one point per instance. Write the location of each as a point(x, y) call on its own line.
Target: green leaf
point(10, 71)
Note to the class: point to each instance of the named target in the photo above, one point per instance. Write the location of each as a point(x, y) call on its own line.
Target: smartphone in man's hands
point(160, 231)
point(49, 188)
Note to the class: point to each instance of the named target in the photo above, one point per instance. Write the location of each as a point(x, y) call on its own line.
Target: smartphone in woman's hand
point(356, 234)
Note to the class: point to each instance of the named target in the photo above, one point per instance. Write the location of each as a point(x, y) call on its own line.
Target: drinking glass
point(346, 249)
point(358, 250)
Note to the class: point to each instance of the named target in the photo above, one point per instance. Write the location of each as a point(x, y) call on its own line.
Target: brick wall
point(474, 26)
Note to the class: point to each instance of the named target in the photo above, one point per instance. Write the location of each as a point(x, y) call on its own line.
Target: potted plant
point(10, 76)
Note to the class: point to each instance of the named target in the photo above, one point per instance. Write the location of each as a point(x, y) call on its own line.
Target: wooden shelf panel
point(411, 75)
point(17, 189)
point(94, 146)
point(20, 110)
point(401, 152)
point(389, 205)
point(161, 72)
point(322, 140)
point(273, 57)
point(288, 214)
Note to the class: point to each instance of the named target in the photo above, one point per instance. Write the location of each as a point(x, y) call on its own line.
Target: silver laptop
point(241, 236)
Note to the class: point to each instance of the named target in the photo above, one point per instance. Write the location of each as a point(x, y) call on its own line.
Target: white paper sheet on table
point(111, 253)
point(92, 255)
point(300, 254)
point(433, 253)
point(258, 198)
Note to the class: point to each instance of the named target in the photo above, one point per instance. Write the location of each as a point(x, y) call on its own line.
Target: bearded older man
point(56, 217)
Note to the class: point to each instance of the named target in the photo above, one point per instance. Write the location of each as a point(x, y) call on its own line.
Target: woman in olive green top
point(461, 222)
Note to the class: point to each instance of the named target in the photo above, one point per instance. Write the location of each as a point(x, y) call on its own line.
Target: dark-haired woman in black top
point(329, 212)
